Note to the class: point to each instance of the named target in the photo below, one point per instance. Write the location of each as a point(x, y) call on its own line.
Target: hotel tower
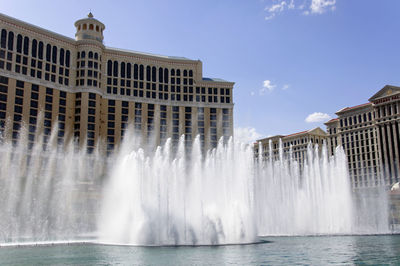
point(93, 93)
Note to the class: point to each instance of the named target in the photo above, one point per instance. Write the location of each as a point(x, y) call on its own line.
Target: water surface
point(322, 250)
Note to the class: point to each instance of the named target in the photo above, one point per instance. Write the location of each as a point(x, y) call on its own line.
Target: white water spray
point(170, 197)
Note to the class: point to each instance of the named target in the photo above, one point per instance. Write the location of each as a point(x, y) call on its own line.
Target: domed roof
point(89, 18)
point(89, 28)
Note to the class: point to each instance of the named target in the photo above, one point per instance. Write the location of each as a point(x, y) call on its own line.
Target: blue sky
point(288, 58)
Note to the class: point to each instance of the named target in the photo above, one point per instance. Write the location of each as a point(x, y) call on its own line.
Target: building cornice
point(19, 24)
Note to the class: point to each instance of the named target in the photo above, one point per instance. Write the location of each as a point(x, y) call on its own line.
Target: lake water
point(321, 250)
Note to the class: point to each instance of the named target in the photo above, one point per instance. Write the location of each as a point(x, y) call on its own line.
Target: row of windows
point(124, 70)
point(91, 55)
point(90, 26)
point(37, 48)
point(53, 57)
point(387, 110)
point(354, 120)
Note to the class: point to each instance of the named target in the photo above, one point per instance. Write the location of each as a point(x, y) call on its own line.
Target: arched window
point(96, 56)
point(26, 45)
point(190, 73)
point(141, 72)
point(172, 72)
point(148, 70)
point(178, 72)
point(123, 70)
point(84, 27)
point(166, 75)
point(160, 74)
point(62, 56)
point(78, 55)
point(185, 73)
point(109, 67)
point(154, 74)
point(115, 69)
point(19, 43)
point(3, 38)
point(67, 58)
point(129, 70)
point(97, 28)
point(54, 57)
point(10, 40)
point(48, 52)
point(34, 48)
point(79, 27)
point(90, 54)
point(83, 54)
point(40, 52)
point(91, 27)
point(135, 71)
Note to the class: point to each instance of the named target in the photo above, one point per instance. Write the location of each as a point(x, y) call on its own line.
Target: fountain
point(316, 200)
point(169, 196)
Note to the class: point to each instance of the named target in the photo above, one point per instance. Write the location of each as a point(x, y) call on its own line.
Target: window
point(48, 52)
point(62, 56)
point(10, 40)
point(154, 74)
point(109, 67)
point(26, 46)
point(115, 69)
point(3, 38)
point(20, 84)
point(67, 60)
point(40, 52)
point(123, 70)
point(54, 57)
point(148, 70)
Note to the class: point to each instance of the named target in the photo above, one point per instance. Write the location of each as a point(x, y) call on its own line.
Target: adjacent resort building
point(369, 134)
point(92, 93)
point(296, 144)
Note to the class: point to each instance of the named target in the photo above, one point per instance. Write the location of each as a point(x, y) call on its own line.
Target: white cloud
point(317, 117)
point(252, 93)
point(277, 7)
point(305, 7)
point(320, 6)
point(246, 134)
point(267, 87)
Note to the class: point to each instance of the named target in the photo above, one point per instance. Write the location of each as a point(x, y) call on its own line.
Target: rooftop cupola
point(89, 29)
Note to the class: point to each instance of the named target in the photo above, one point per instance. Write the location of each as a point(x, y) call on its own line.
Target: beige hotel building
point(296, 144)
point(92, 93)
point(370, 136)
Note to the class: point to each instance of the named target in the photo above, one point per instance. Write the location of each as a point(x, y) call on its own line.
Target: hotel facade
point(370, 136)
point(92, 93)
point(295, 144)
